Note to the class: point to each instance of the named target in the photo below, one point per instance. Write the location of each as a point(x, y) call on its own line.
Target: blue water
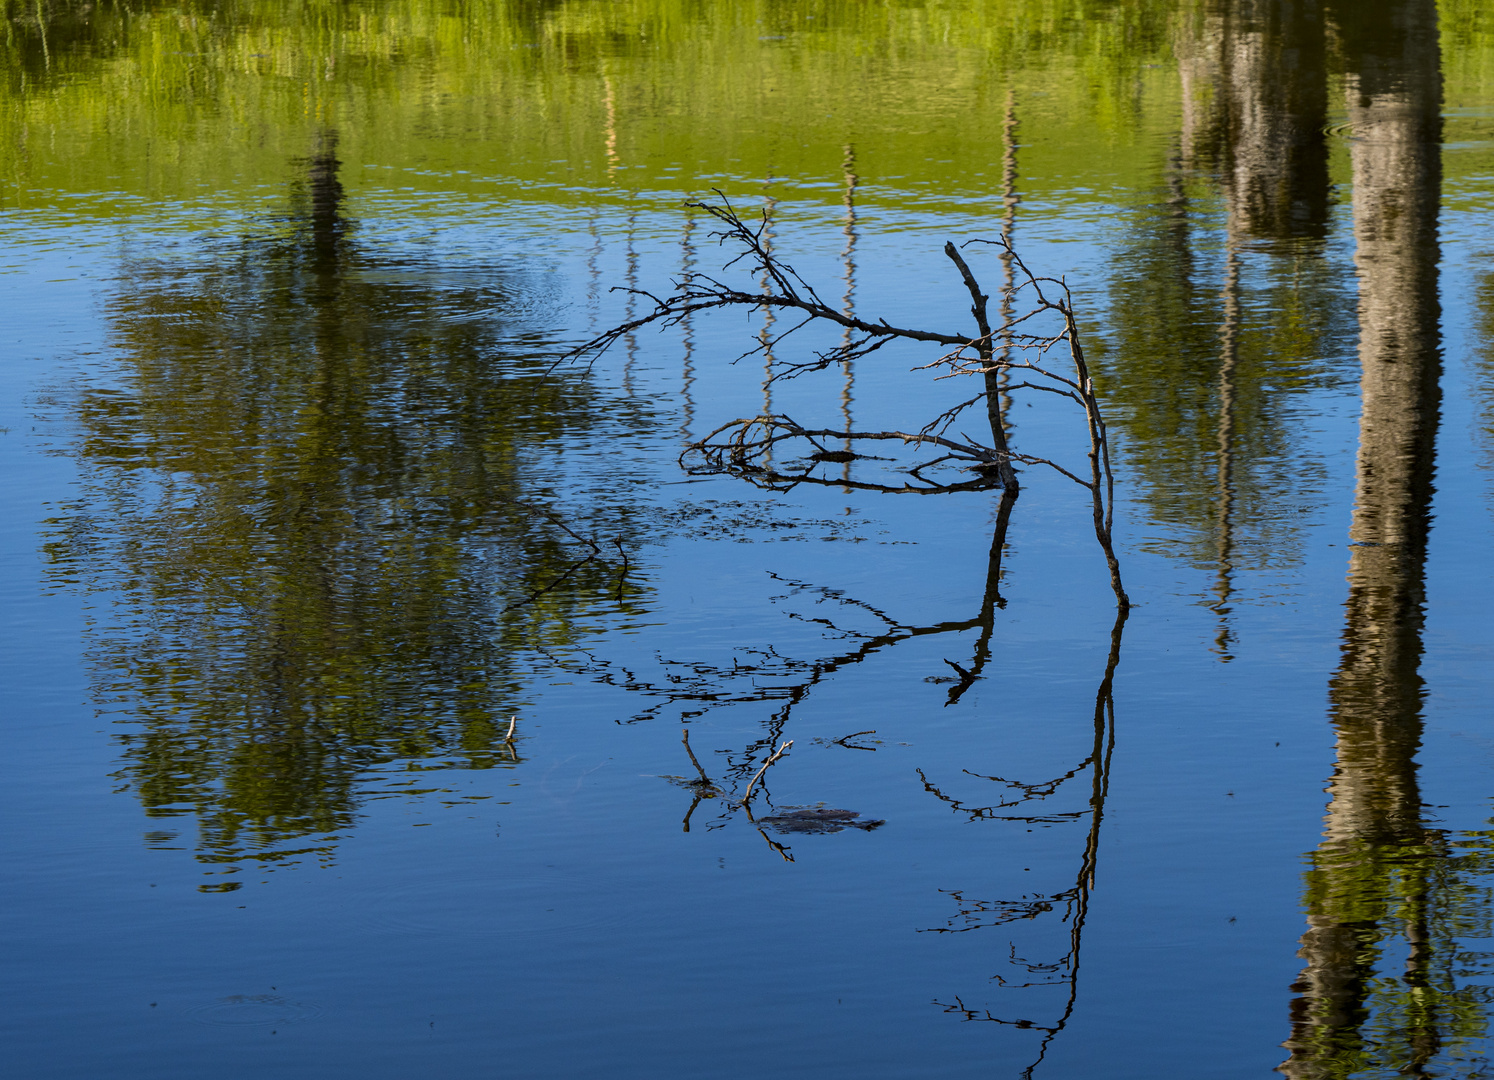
point(1106, 878)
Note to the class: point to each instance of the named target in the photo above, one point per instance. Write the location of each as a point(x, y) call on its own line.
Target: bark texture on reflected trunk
point(1369, 876)
point(1255, 109)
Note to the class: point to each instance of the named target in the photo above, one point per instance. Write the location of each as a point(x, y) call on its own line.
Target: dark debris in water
point(704, 788)
point(817, 819)
point(747, 522)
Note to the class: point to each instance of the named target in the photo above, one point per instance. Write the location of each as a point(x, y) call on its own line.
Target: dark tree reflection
point(1255, 109)
point(1223, 305)
point(1390, 897)
point(318, 489)
point(1062, 912)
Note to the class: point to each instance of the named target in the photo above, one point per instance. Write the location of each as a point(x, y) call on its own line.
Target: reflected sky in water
point(382, 694)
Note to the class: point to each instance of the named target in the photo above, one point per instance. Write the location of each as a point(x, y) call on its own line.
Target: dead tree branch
point(1026, 343)
point(759, 775)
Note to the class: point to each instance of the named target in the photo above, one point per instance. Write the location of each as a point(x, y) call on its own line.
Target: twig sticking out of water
point(705, 780)
point(771, 759)
point(704, 788)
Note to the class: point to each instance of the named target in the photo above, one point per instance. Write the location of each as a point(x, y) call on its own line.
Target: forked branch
point(1039, 346)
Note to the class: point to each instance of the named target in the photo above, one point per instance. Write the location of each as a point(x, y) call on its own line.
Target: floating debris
point(817, 819)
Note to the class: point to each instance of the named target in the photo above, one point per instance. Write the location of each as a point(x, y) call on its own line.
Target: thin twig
point(623, 573)
point(771, 759)
point(782, 849)
point(558, 581)
point(704, 779)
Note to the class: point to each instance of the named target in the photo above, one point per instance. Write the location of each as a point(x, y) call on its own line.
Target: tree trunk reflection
point(1372, 876)
point(1255, 106)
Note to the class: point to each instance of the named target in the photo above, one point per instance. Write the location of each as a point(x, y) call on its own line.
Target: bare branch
point(1029, 343)
point(758, 776)
point(704, 779)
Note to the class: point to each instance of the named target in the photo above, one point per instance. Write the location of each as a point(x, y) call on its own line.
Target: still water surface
point(350, 641)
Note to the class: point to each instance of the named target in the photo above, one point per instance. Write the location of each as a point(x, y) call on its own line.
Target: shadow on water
point(1386, 887)
point(321, 487)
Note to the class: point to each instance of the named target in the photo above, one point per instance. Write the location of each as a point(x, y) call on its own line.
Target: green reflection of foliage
point(1204, 385)
point(1396, 923)
point(168, 94)
point(1224, 302)
point(177, 92)
point(312, 493)
point(1484, 365)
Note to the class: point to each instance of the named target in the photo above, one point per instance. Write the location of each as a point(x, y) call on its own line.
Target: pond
point(390, 690)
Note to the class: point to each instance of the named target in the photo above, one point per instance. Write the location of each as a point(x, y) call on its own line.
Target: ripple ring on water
point(244, 1010)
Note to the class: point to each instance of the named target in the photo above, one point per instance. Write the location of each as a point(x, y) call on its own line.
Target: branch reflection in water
point(312, 484)
point(1071, 903)
point(763, 674)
